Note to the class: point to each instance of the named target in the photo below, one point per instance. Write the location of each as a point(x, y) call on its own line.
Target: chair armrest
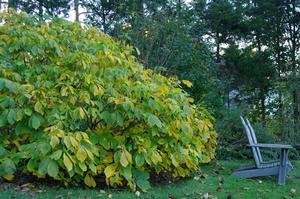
point(278, 146)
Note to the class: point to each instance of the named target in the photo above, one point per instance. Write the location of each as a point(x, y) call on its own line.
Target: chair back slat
point(254, 139)
point(251, 140)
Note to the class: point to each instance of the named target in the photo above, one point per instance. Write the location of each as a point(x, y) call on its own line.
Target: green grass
point(209, 182)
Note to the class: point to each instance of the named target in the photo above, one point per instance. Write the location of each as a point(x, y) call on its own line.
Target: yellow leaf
point(74, 142)
point(54, 141)
point(67, 141)
point(59, 133)
point(81, 154)
point(110, 170)
point(187, 83)
point(123, 160)
point(68, 163)
point(72, 100)
point(8, 177)
point(89, 181)
point(81, 113)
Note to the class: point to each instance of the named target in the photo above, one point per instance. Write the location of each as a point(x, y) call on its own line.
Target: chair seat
point(274, 163)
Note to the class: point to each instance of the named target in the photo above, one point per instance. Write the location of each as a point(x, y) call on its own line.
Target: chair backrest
point(252, 140)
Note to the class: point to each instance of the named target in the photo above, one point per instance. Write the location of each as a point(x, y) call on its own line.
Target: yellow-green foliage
point(76, 106)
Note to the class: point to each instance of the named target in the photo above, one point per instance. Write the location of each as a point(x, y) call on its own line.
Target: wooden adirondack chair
point(261, 168)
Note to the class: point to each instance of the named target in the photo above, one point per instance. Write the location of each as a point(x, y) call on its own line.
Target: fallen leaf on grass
point(102, 191)
point(137, 193)
point(59, 197)
point(206, 195)
point(170, 196)
point(197, 178)
point(293, 191)
point(219, 189)
point(229, 196)
point(221, 180)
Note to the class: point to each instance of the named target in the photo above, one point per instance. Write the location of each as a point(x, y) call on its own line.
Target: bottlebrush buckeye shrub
point(76, 106)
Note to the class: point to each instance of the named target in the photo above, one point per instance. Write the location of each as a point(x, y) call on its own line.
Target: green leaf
point(9, 166)
point(53, 168)
point(56, 155)
point(43, 168)
point(126, 172)
point(2, 151)
point(139, 160)
point(11, 86)
point(123, 160)
point(36, 121)
point(153, 120)
point(67, 163)
point(3, 120)
point(44, 148)
point(186, 129)
point(54, 141)
point(28, 111)
point(20, 114)
point(142, 179)
point(93, 168)
point(12, 116)
point(82, 166)
point(32, 165)
point(38, 107)
point(109, 118)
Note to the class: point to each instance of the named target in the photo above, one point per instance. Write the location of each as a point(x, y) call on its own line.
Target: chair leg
point(283, 166)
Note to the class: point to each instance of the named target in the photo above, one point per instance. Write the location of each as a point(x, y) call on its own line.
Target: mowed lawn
point(215, 181)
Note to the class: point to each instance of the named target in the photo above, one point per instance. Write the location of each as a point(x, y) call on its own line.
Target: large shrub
point(75, 105)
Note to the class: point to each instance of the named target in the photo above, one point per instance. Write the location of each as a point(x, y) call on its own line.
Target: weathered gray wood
point(256, 172)
point(279, 146)
point(254, 140)
point(251, 141)
point(283, 166)
point(261, 168)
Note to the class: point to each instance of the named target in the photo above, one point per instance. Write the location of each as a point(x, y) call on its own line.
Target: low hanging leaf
point(110, 170)
point(67, 162)
point(142, 180)
point(89, 181)
point(53, 168)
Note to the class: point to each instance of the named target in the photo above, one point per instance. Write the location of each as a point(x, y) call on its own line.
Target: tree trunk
point(104, 21)
point(13, 4)
point(40, 9)
point(76, 8)
point(263, 109)
point(218, 47)
point(296, 100)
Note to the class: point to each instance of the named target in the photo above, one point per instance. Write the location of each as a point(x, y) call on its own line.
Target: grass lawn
point(214, 182)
